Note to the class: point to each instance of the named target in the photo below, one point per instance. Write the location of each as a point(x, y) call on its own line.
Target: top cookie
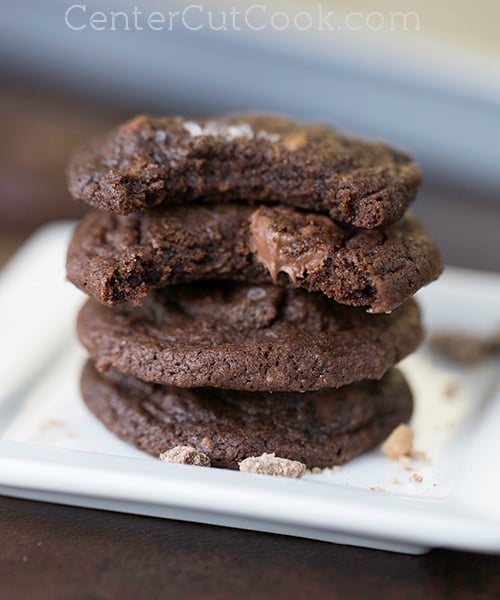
point(151, 161)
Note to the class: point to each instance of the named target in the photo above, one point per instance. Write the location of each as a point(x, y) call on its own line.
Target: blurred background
point(422, 75)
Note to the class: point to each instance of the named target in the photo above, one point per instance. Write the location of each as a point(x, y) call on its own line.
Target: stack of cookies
point(250, 283)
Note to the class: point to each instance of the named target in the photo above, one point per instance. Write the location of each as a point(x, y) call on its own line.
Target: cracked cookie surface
point(320, 429)
point(247, 337)
point(120, 259)
point(152, 161)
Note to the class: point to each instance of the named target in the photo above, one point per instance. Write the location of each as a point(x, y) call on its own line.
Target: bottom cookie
point(320, 429)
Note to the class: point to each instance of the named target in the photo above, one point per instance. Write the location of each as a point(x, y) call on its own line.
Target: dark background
point(61, 553)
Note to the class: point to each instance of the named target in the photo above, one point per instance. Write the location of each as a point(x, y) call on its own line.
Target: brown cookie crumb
point(421, 457)
point(416, 478)
point(322, 471)
point(405, 462)
point(185, 455)
point(451, 389)
point(463, 348)
point(399, 443)
point(394, 481)
point(269, 464)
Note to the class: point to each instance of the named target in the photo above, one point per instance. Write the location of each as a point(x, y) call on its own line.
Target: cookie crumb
point(394, 481)
point(48, 423)
point(377, 488)
point(270, 464)
point(416, 478)
point(321, 471)
point(451, 389)
point(185, 455)
point(399, 443)
point(462, 348)
point(421, 457)
point(405, 462)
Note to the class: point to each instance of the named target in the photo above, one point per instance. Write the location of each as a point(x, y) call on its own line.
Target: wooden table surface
point(58, 552)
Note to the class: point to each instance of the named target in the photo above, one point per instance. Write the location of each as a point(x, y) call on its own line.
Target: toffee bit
point(399, 443)
point(270, 464)
point(185, 455)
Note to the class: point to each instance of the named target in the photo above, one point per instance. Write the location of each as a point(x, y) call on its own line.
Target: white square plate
point(52, 449)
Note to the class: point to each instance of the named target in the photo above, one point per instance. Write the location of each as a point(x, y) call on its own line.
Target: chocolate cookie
point(117, 259)
point(150, 161)
point(244, 337)
point(319, 429)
